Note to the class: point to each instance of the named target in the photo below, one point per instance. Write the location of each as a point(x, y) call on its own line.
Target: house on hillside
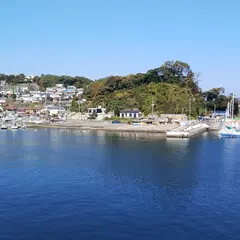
point(99, 111)
point(71, 89)
point(79, 91)
point(54, 110)
point(130, 114)
point(3, 101)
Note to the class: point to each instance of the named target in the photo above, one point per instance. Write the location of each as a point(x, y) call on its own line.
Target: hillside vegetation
point(170, 87)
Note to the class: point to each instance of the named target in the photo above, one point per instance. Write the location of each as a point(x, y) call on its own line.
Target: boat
point(4, 127)
point(229, 132)
point(14, 126)
point(230, 127)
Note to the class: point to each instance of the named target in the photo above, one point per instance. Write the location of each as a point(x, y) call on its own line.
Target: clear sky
point(97, 38)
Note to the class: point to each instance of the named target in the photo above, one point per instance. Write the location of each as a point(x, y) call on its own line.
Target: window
point(130, 115)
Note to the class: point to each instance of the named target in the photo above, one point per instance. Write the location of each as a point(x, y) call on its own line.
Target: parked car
point(116, 122)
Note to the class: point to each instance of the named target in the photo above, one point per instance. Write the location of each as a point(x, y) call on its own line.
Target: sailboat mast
point(233, 106)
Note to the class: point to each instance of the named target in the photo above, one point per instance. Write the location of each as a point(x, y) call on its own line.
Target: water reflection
point(157, 162)
point(173, 164)
point(126, 182)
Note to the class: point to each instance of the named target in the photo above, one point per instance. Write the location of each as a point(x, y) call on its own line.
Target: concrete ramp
point(187, 131)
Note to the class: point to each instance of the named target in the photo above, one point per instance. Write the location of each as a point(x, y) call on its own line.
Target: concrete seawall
point(108, 126)
point(171, 130)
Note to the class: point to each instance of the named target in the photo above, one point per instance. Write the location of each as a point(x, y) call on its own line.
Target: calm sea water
point(96, 185)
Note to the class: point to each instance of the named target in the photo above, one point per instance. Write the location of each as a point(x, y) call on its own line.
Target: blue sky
point(96, 38)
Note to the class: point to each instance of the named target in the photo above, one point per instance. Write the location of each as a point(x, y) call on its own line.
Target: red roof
point(11, 108)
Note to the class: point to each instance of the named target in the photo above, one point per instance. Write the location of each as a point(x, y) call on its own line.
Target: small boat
point(4, 127)
point(14, 126)
point(229, 132)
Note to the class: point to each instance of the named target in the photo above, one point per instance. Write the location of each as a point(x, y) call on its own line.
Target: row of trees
point(14, 79)
point(215, 99)
point(47, 80)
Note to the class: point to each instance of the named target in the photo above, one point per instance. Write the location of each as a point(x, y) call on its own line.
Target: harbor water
point(102, 185)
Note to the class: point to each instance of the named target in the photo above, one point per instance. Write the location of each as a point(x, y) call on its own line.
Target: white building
point(130, 114)
point(79, 91)
point(59, 85)
point(54, 110)
point(2, 101)
point(50, 89)
point(99, 111)
point(71, 89)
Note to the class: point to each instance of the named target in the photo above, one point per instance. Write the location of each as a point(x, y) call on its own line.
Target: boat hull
point(230, 135)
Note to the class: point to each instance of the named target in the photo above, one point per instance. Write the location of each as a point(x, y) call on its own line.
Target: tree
point(214, 98)
point(2, 77)
point(36, 79)
point(20, 78)
point(14, 96)
point(48, 81)
point(74, 106)
point(33, 87)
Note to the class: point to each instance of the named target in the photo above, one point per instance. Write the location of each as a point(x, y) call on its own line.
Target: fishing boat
point(4, 127)
point(229, 132)
point(14, 126)
point(230, 127)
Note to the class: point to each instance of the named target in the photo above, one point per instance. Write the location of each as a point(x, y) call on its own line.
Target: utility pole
point(152, 107)
point(230, 109)
point(189, 118)
point(80, 109)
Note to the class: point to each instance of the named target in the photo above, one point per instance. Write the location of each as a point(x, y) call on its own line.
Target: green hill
point(170, 87)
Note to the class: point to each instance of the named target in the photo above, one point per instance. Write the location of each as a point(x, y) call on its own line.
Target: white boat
point(229, 127)
point(4, 127)
point(14, 126)
point(229, 132)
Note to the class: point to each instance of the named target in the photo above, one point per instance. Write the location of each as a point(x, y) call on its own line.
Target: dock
point(189, 130)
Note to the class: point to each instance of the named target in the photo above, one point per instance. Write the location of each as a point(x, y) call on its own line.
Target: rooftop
point(130, 111)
